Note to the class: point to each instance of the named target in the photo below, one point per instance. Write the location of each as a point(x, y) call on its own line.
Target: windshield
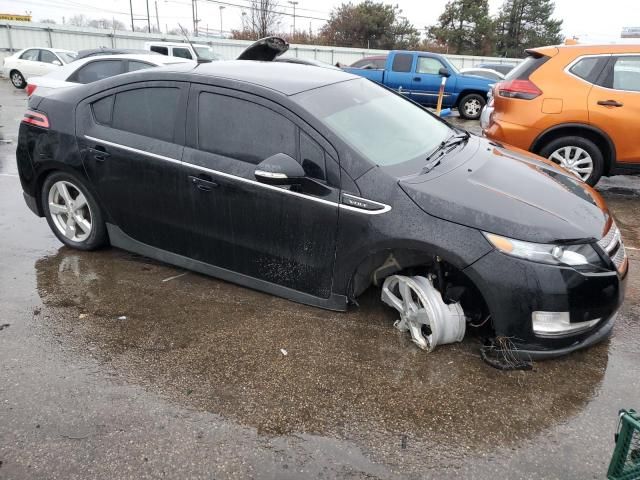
point(66, 57)
point(206, 53)
point(384, 127)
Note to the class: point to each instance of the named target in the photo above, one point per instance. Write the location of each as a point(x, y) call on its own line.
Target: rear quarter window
point(525, 68)
point(589, 68)
point(102, 110)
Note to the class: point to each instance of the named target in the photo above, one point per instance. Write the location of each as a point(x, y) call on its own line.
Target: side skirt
point(121, 240)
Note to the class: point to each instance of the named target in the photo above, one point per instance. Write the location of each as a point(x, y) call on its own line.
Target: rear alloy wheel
point(578, 155)
point(471, 105)
point(72, 213)
point(17, 79)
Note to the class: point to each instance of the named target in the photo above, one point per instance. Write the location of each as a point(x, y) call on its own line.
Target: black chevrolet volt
point(314, 185)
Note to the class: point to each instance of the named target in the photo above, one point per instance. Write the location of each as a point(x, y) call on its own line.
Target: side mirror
point(279, 169)
point(444, 72)
point(57, 62)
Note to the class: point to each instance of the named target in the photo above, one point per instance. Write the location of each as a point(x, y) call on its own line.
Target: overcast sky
point(590, 20)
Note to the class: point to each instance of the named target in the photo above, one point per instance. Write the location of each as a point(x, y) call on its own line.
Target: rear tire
point(576, 154)
point(17, 79)
point(72, 212)
point(471, 105)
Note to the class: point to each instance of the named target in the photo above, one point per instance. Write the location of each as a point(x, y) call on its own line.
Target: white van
point(202, 53)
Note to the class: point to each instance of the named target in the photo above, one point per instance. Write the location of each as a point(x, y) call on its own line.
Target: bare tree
point(262, 18)
point(50, 21)
point(78, 21)
point(107, 24)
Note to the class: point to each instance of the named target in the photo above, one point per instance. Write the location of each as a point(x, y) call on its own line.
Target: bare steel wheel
point(72, 212)
point(575, 159)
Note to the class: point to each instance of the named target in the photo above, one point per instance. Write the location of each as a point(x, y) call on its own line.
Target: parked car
point(503, 68)
point(374, 61)
point(34, 62)
point(418, 75)
point(91, 69)
point(483, 72)
point(313, 187)
point(93, 52)
point(576, 105)
point(195, 51)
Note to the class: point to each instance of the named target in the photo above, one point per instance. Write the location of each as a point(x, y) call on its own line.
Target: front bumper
point(515, 288)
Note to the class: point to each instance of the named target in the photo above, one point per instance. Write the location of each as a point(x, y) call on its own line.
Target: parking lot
point(115, 365)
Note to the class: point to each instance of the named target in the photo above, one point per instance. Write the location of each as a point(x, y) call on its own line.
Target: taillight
point(36, 118)
point(522, 89)
point(30, 89)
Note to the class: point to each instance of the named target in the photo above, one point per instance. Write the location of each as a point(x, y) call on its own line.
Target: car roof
point(284, 77)
point(583, 49)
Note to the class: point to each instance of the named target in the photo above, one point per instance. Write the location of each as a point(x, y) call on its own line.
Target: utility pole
point(195, 2)
point(193, 15)
point(148, 18)
point(131, 8)
point(221, 7)
point(157, 18)
point(294, 3)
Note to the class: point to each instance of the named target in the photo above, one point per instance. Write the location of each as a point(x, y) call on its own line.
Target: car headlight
point(571, 255)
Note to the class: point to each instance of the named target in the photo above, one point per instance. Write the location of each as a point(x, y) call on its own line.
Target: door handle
point(203, 182)
point(417, 79)
point(610, 103)
point(99, 153)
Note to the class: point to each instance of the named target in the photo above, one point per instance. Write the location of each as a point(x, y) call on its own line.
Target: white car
point(31, 62)
point(191, 51)
point(91, 69)
point(483, 72)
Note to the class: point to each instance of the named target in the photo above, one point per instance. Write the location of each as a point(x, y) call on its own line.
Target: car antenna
point(186, 37)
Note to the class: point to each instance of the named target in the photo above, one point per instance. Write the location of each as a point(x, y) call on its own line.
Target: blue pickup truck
point(418, 75)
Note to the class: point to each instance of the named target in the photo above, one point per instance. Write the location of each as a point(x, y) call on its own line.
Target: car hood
point(509, 192)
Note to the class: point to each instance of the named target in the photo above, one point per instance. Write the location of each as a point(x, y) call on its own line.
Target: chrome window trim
point(385, 208)
point(568, 67)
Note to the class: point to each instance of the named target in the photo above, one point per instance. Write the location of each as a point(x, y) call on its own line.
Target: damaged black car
point(314, 185)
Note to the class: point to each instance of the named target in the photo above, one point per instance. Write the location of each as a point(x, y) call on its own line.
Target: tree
point(107, 24)
point(78, 21)
point(50, 21)
point(465, 28)
point(260, 20)
point(523, 24)
point(369, 25)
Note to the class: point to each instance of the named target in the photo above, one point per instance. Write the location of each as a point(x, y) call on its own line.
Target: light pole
point(244, 16)
point(294, 3)
point(157, 17)
point(221, 7)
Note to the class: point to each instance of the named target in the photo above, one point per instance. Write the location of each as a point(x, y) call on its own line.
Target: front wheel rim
point(472, 107)
point(70, 211)
point(575, 159)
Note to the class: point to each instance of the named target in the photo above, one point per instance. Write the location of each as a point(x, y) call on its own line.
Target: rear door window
point(182, 52)
point(626, 74)
point(402, 62)
point(31, 55)
point(96, 70)
point(242, 130)
point(147, 111)
point(47, 57)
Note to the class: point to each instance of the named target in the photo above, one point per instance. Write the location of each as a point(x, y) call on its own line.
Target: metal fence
point(15, 36)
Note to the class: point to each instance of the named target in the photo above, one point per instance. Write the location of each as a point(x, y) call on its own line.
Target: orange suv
point(577, 105)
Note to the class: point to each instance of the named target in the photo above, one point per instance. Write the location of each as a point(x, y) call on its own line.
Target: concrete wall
point(15, 36)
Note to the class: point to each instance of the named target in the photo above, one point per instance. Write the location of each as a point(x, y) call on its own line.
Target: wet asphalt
point(116, 366)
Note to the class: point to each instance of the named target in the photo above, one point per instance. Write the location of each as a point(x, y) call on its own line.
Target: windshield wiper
point(433, 159)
